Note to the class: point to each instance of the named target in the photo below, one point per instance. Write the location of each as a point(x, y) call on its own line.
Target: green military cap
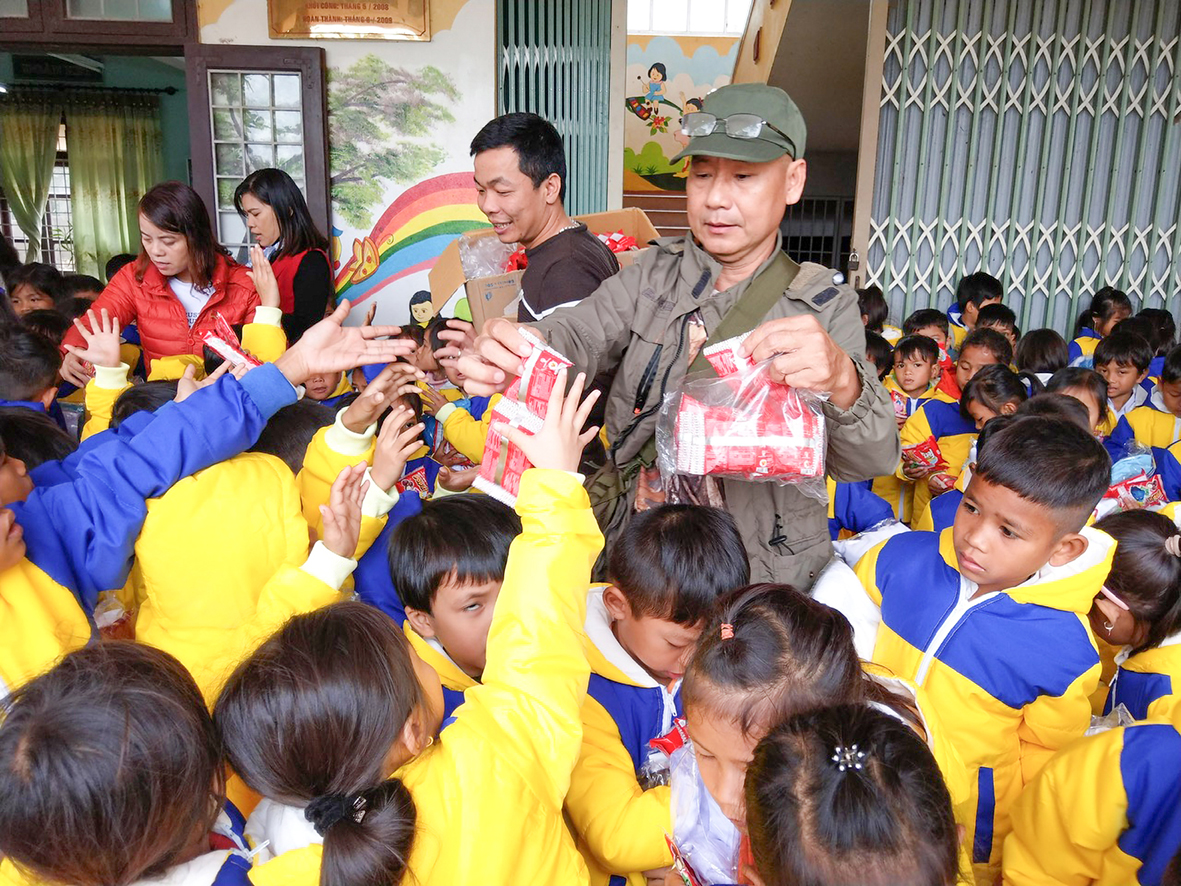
point(745, 121)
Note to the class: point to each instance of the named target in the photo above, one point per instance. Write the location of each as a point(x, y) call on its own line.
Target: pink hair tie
point(727, 632)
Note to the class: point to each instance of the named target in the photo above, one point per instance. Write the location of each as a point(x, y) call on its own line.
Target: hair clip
point(1114, 599)
point(360, 807)
point(727, 632)
point(1173, 545)
point(848, 757)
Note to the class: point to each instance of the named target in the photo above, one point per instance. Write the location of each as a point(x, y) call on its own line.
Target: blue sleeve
point(1117, 443)
point(1169, 471)
point(82, 533)
point(51, 473)
point(857, 509)
point(1073, 353)
point(371, 578)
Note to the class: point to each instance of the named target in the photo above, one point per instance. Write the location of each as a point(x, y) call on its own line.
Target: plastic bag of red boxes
point(741, 424)
point(523, 406)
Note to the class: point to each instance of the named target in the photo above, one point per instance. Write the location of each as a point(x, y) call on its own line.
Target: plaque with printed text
point(350, 19)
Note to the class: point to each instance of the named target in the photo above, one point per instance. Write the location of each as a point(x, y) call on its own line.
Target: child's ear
point(1111, 612)
point(1008, 409)
point(1068, 549)
point(617, 606)
point(421, 622)
point(47, 396)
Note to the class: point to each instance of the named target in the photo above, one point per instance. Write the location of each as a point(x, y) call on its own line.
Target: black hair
point(1042, 350)
point(975, 289)
point(1140, 326)
point(783, 653)
point(149, 396)
point(1144, 574)
point(274, 187)
point(75, 307)
point(883, 819)
point(33, 437)
point(174, 207)
point(535, 140)
point(49, 323)
point(994, 387)
point(116, 263)
point(29, 363)
point(109, 765)
point(464, 538)
point(879, 353)
point(1164, 329)
point(659, 68)
point(1105, 304)
point(992, 341)
point(414, 332)
point(874, 310)
point(438, 324)
point(309, 719)
point(922, 345)
point(1000, 316)
point(72, 284)
point(923, 318)
point(40, 276)
point(1052, 463)
point(288, 433)
point(1059, 406)
point(1124, 349)
point(421, 297)
point(674, 562)
point(1172, 369)
point(1075, 377)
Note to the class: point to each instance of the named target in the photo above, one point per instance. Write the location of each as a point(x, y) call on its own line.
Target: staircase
point(665, 209)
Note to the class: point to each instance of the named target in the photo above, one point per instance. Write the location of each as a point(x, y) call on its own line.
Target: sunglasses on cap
point(747, 126)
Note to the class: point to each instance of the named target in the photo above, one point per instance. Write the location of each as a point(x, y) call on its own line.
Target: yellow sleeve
point(101, 393)
point(867, 572)
point(264, 338)
point(1049, 722)
point(621, 825)
point(914, 431)
point(292, 591)
point(466, 432)
point(331, 451)
point(167, 368)
point(1069, 817)
point(529, 705)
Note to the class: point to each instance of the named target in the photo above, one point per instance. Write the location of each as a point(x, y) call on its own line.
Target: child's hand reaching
point(187, 384)
point(390, 384)
point(263, 276)
point(395, 444)
point(432, 401)
point(102, 340)
point(342, 514)
point(559, 443)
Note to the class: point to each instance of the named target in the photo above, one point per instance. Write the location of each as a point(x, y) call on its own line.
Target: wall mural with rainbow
point(408, 237)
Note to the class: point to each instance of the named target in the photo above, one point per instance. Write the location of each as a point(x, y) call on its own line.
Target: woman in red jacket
point(180, 280)
point(278, 218)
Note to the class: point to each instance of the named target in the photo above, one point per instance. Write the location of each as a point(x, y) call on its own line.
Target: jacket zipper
point(954, 619)
point(639, 419)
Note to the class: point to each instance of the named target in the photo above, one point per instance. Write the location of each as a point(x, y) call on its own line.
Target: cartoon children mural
point(421, 309)
point(689, 106)
point(657, 75)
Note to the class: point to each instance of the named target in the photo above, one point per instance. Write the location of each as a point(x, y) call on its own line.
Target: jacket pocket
point(985, 816)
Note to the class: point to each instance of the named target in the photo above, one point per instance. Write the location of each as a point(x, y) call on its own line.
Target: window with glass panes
point(57, 224)
point(687, 16)
point(120, 10)
point(256, 119)
point(14, 8)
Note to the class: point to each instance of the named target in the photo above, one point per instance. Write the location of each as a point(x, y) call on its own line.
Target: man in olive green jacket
point(649, 321)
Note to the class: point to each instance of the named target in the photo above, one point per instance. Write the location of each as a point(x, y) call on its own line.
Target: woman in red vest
point(278, 218)
point(172, 291)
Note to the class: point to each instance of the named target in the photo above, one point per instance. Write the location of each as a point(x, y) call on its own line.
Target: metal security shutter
point(1033, 139)
point(554, 60)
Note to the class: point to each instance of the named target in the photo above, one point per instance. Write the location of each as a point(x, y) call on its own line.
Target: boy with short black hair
point(1122, 359)
point(916, 365)
point(667, 571)
point(29, 365)
point(879, 352)
point(990, 616)
point(1002, 318)
point(1156, 423)
point(972, 293)
point(928, 322)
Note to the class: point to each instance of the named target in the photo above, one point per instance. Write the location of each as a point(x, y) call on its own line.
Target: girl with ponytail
point(1108, 306)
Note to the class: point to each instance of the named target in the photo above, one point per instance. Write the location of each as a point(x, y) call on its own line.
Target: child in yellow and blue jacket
point(911, 384)
point(973, 292)
point(1105, 811)
point(1108, 306)
point(667, 572)
point(1139, 609)
point(990, 617)
point(1157, 422)
point(29, 365)
point(1122, 359)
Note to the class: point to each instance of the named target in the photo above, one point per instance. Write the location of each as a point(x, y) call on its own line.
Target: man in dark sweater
point(520, 172)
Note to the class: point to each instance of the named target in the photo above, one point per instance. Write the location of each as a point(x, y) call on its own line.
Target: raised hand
point(330, 347)
point(460, 335)
point(342, 514)
point(102, 341)
point(391, 383)
point(560, 441)
point(263, 276)
point(495, 357)
point(397, 441)
point(188, 384)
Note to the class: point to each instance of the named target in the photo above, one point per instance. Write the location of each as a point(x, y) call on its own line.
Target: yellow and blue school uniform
point(1010, 672)
point(501, 768)
point(1105, 811)
point(956, 329)
point(1148, 683)
point(941, 418)
point(54, 409)
point(465, 424)
point(898, 492)
point(1081, 351)
point(852, 508)
point(1150, 424)
point(620, 825)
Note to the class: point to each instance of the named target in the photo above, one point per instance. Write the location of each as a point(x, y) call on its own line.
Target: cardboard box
point(490, 296)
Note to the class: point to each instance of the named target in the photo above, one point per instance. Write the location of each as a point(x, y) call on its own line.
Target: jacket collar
point(1070, 588)
point(695, 261)
point(201, 871)
point(156, 284)
point(282, 826)
point(955, 316)
point(606, 657)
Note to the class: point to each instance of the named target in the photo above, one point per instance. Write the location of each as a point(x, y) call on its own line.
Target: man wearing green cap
point(649, 322)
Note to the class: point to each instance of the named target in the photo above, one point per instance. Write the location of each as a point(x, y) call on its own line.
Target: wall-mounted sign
point(350, 19)
point(50, 69)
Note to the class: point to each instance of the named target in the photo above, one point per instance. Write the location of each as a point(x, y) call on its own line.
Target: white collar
point(281, 826)
point(201, 871)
